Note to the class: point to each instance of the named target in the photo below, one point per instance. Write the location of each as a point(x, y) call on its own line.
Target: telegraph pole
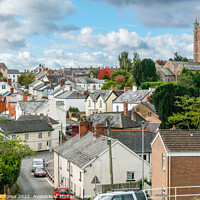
point(142, 154)
point(61, 134)
point(110, 151)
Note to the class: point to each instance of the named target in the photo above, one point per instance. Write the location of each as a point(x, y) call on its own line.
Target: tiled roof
point(13, 71)
point(3, 66)
point(175, 63)
point(131, 96)
point(70, 95)
point(81, 151)
point(192, 66)
point(29, 107)
point(86, 80)
point(25, 126)
point(181, 140)
point(117, 120)
point(167, 71)
point(133, 140)
point(37, 117)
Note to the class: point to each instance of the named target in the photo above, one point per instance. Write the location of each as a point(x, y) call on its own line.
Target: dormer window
point(149, 114)
point(3, 86)
point(100, 104)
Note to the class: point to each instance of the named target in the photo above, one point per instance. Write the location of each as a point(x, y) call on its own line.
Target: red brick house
point(175, 162)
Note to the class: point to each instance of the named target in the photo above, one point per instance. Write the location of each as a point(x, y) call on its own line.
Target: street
point(34, 187)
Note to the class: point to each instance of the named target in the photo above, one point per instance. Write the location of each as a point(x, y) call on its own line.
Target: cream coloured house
point(80, 159)
point(101, 101)
point(39, 134)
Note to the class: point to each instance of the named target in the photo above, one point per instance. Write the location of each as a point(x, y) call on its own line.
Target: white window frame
point(39, 135)
point(26, 136)
point(130, 176)
point(39, 146)
point(163, 161)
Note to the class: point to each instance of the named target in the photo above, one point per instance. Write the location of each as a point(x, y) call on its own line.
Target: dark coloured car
point(61, 193)
point(40, 171)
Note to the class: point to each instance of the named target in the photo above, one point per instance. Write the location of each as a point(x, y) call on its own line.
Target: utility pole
point(142, 154)
point(110, 151)
point(61, 134)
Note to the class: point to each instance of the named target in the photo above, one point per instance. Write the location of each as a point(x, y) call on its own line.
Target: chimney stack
point(77, 95)
point(70, 88)
point(51, 84)
point(24, 97)
point(61, 82)
point(71, 69)
point(98, 129)
point(68, 77)
point(84, 127)
point(127, 88)
point(40, 69)
point(1, 98)
point(25, 70)
point(9, 81)
point(125, 109)
point(133, 115)
point(174, 128)
point(112, 87)
point(12, 90)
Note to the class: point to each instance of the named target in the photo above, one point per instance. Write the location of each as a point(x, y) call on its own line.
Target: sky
point(73, 33)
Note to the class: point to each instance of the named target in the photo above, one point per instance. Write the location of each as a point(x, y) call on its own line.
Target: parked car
point(122, 195)
point(40, 171)
point(37, 162)
point(61, 193)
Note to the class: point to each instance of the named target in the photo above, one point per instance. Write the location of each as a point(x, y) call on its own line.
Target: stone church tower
point(196, 57)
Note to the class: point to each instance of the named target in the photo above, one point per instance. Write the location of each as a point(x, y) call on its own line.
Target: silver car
point(38, 162)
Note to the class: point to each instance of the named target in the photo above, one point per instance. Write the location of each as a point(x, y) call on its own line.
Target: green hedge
point(146, 85)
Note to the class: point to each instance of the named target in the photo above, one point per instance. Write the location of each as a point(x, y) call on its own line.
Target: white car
point(38, 162)
point(122, 195)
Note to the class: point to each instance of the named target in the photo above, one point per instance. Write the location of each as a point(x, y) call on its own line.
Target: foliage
point(144, 70)
point(95, 72)
point(1, 75)
point(145, 181)
point(124, 61)
point(83, 116)
point(12, 151)
point(73, 109)
point(136, 57)
point(161, 62)
point(26, 79)
point(108, 84)
point(146, 85)
point(120, 72)
point(120, 79)
point(164, 99)
point(5, 120)
point(189, 118)
point(178, 58)
point(186, 80)
point(104, 72)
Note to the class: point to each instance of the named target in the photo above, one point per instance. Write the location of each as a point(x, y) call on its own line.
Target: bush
point(146, 85)
point(145, 181)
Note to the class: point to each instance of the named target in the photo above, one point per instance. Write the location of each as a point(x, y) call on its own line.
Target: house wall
point(18, 111)
point(4, 87)
point(11, 108)
point(89, 108)
point(109, 102)
point(159, 176)
point(14, 77)
point(33, 139)
point(121, 106)
point(103, 108)
point(169, 66)
point(4, 71)
point(123, 161)
point(143, 111)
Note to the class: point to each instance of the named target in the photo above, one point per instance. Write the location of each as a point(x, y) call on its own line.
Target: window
point(39, 135)
point(117, 108)
point(71, 184)
point(79, 191)
point(13, 137)
point(163, 161)
point(39, 145)
point(3, 69)
point(80, 176)
point(49, 134)
point(149, 114)
point(130, 176)
point(144, 156)
point(49, 143)
point(137, 110)
point(68, 165)
point(26, 136)
point(3, 86)
point(74, 189)
point(128, 197)
point(89, 103)
point(100, 104)
point(71, 171)
point(117, 197)
point(13, 76)
point(13, 80)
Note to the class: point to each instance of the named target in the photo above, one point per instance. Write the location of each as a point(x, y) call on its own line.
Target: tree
point(164, 99)
point(178, 58)
point(124, 61)
point(108, 84)
point(120, 79)
point(186, 80)
point(189, 118)
point(26, 79)
point(12, 151)
point(104, 73)
point(136, 57)
point(137, 72)
point(120, 72)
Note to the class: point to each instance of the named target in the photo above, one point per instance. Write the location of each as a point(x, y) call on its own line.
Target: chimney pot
point(77, 95)
point(12, 90)
point(125, 109)
point(70, 88)
point(24, 97)
point(127, 88)
point(61, 82)
point(174, 128)
point(9, 81)
point(51, 85)
point(84, 127)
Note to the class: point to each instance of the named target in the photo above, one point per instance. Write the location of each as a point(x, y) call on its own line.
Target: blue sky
point(65, 33)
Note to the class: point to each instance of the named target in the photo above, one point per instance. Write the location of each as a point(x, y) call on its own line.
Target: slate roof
point(55, 78)
point(13, 71)
point(70, 95)
point(30, 107)
point(3, 66)
point(167, 71)
point(175, 63)
point(14, 98)
point(181, 140)
point(117, 120)
point(153, 127)
point(133, 140)
point(103, 93)
point(131, 96)
point(192, 66)
point(149, 106)
point(86, 80)
point(25, 126)
point(118, 92)
point(81, 151)
point(37, 117)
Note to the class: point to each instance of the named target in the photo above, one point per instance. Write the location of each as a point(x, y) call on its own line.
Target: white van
point(122, 195)
point(38, 162)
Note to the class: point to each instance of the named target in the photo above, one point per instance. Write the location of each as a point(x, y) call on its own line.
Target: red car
point(40, 171)
point(61, 193)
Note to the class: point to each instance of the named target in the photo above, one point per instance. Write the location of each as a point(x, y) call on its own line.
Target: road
point(31, 187)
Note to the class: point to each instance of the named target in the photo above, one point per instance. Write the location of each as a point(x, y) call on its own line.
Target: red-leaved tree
point(104, 72)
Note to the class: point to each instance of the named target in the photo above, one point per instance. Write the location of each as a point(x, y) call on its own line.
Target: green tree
point(26, 79)
point(178, 58)
point(120, 72)
point(186, 80)
point(108, 84)
point(12, 151)
point(136, 57)
point(164, 99)
point(120, 79)
point(189, 118)
point(124, 61)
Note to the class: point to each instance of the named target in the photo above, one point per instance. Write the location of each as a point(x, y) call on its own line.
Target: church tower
point(196, 57)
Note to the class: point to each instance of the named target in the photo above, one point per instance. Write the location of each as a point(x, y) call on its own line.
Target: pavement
point(50, 169)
